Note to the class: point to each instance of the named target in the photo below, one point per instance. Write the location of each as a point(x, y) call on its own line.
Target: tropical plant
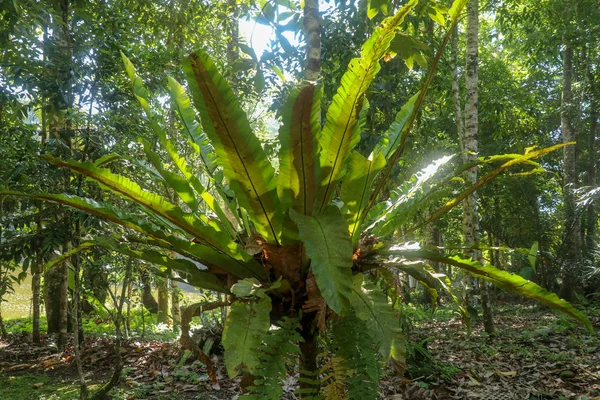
point(295, 247)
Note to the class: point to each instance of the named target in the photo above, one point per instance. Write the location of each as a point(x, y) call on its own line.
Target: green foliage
point(232, 223)
point(371, 306)
point(359, 367)
point(330, 250)
point(278, 352)
point(245, 328)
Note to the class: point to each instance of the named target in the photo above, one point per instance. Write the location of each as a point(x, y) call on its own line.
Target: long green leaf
point(234, 260)
point(154, 203)
point(356, 189)
point(399, 140)
point(239, 152)
point(328, 245)
point(340, 133)
point(296, 185)
point(392, 137)
point(504, 279)
point(188, 118)
point(370, 304)
point(176, 182)
point(245, 328)
point(524, 159)
point(407, 199)
point(142, 95)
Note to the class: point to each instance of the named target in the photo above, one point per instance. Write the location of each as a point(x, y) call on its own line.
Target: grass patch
point(39, 387)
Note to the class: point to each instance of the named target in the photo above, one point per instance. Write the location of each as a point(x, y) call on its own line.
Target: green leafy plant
point(294, 244)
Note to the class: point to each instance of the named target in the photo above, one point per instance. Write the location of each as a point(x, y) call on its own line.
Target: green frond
point(371, 306)
point(358, 358)
point(335, 375)
point(239, 152)
point(187, 115)
point(503, 279)
point(245, 328)
point(329, 248)
point(157, 205)
point(296, 183)
point(356, 189)
point(392, 137)
point(340, 133)
point(278, 351)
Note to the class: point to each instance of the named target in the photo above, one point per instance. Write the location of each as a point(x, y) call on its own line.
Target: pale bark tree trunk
point(36, 280)
point(163, 301)
point(63, 311)
point(592, 217)
point(312, 33)
point(470, 148)
point(175, 310)
point(571, 246)
point(83, 391)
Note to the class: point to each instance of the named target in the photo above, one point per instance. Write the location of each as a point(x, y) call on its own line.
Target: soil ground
point(535, 354)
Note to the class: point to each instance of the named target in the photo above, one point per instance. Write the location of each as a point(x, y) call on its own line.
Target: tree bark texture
point(148, 299)
point(592, 217)
point(470, 149)
point(35, 285)
point(83, 391)
point(308, 355)
point(163, 302)
point(571, 256)
point(175, 310)
point(63, 311)
point(312, 34)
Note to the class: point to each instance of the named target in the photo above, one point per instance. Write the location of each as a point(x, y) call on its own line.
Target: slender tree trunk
point(35, 283)
point(571, 246)
point(3, 333)
point(470, 149)
point(433, 239)
point(118, 319)
point(63, 311)
point(83, 391)
point(163, 301)
point(592, 217)
point(175, 310)
point(148, 299)
point(312, 34)
point(456, 103)
point(308, 356)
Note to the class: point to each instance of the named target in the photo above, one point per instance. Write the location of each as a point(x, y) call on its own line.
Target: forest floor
point(535, 354)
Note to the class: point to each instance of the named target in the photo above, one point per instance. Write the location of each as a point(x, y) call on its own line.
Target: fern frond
point(358, 353)
point(279, 349)
point(371, 306)
point(336, 373)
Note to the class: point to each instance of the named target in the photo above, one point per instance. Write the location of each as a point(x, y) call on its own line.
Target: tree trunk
point(470, 149)
point(308, 356)
point(83, 391)
point(175, 310)
point(571, 244)
point(51, 298)
point(592, 218)
point(118, 318)
point(163, 301)
point(148, 299)
point(63, 311)
point(35, 286)
point(312, 34)
point(3, 333)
